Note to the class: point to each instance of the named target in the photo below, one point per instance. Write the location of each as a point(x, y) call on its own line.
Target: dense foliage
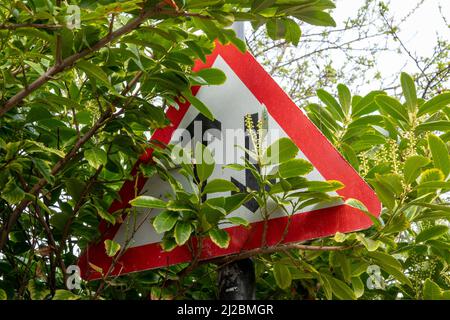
point(76, 108)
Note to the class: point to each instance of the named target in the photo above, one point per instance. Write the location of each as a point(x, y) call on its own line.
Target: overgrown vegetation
point(77, 105)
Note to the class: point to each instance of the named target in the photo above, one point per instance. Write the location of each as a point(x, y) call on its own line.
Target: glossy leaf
point(220, 237)
point(182, 232)
point(111, 247)
point(148, 202)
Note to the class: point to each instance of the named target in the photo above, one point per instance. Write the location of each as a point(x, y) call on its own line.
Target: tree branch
point(69, 62)
point(250, 253)
point(30, 25)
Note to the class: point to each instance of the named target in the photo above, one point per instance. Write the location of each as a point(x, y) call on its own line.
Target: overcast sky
point(419, 32)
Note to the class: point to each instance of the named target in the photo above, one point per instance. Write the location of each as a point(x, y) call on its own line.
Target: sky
point(419, 32)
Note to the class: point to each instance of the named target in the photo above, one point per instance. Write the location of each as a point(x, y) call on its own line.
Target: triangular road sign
point(248, 90)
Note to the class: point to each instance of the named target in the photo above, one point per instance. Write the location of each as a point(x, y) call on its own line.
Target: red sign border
point(305, 226)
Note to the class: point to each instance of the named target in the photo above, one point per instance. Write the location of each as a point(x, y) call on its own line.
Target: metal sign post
point(236, 280)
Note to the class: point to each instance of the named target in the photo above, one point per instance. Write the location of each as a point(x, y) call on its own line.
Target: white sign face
point(229, 103)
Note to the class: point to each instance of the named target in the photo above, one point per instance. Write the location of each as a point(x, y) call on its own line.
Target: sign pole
point(236, 280)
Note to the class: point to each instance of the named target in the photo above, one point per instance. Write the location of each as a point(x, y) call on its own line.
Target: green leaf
point(165, 221)
point(433, 185)
point(105, 215)
point(439, 152)
point(435, 104)
point(220, 185)
point(343, 261)
point(44, 168)
point(276, 29)
point(440, 125)
point(282, 275)
point(340, 289)
point(358, 286)
point(93, 71)
point(38, 112)
point(294, 168)
point(412, 167)
point(200, 106)
point(238, 221)
point(280, 151)
point(74, 188)
point(345, 97)
point(3, 295)
point(324, 186)
point(148, 202)
point(354, 203)
point(332, 104)
point(96, 157)
point(235, 166)
point(386, 259)
point(316, 18)
point(392, 107)
point(211, 76)
point(397, 274)
point(391, 266)
point(391, 181)
point(235, 201)
point(384, 194)
point(259, 5)
point(182, 232)
point(433, 232)
point(37, 292)
point(409, 91)
point(204, 162)
point(293, 31)
point(168, 244)
point(366, 105)
point(431, 175)
point(371, 245)
point(219, 237)
point(61, 294)
point(111, 247)
point(12, 193)
point(431, 291)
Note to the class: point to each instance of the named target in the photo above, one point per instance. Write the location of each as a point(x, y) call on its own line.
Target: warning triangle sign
point(248, 90)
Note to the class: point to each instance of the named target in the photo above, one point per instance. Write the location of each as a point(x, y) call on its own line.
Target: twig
point(30, 25)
